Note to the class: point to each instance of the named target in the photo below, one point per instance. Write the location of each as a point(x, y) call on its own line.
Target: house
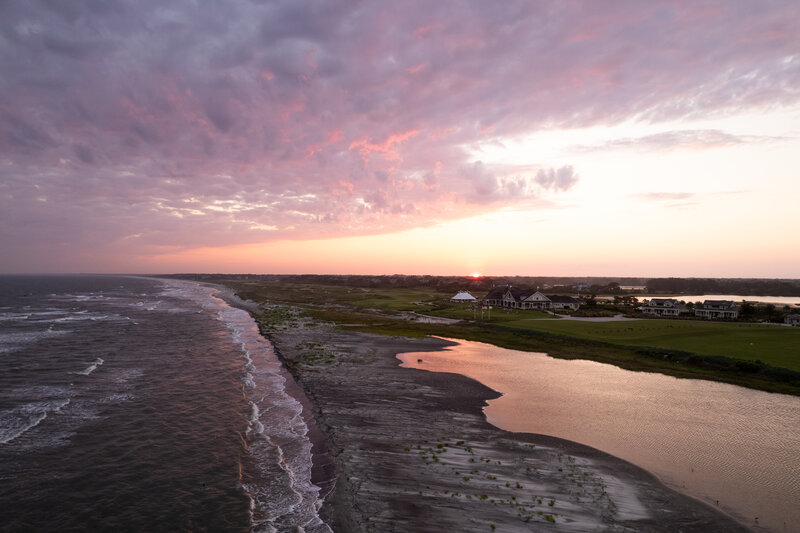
point(663, 307)
point(463, 297)
point(536, 300)
point(495, 296)
point(564, 302)
point(717, 309)
point(515, 298)
point(793, 320)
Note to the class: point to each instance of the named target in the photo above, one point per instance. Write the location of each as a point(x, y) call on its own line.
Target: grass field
point(773, 345)
point(494, 316)
point(399, 299)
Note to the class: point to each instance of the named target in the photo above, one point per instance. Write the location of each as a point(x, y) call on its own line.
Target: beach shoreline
point(400, 449)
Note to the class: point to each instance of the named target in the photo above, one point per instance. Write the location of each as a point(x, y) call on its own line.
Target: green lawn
point(495, 316)
point(773, 345)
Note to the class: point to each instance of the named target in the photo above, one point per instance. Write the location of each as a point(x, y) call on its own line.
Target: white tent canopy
point(463, 296)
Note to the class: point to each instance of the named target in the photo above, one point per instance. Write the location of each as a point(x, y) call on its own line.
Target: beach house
point(663, 307)
point(564, 302)
point(717, 309)
point(536, 300)
point(495, 296)
point(515, 298)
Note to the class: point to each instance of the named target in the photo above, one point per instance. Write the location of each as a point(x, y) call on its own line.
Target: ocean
point(142, 404)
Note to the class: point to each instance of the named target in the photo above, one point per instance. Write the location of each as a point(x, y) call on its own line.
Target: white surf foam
point(277, 434)
point(17, 421)
point(91, 368)
point(11, 342)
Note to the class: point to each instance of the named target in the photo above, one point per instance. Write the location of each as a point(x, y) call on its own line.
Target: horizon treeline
point(569, 285)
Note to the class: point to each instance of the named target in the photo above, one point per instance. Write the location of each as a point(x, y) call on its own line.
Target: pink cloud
point(192, 127)
point(387, 147)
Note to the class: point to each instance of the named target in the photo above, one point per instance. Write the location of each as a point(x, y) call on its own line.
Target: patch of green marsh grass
point(773, 345)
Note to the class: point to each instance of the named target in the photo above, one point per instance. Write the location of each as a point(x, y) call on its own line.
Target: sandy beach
point(408, 450)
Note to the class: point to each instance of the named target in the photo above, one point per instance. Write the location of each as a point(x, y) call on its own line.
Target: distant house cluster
point(708, 309)
point(515, 298)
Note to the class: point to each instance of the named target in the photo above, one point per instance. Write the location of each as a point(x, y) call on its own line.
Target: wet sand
point(411, 451)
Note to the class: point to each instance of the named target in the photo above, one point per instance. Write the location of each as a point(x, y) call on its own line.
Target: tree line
point(744, 287)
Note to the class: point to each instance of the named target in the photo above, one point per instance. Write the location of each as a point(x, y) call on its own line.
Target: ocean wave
point(17, 421)
point(12, 342)
point(91, 368)
point(50, 315)
point(89, 297)
point(14, 317)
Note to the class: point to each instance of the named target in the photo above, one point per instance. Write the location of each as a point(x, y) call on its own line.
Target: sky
point(563, 138)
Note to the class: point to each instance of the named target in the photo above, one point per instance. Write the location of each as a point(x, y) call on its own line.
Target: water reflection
point(714, 441)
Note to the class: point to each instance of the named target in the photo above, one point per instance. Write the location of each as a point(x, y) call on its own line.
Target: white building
point(463, 297)
point(663, 307)
point(537, 300)
point(717, 309)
